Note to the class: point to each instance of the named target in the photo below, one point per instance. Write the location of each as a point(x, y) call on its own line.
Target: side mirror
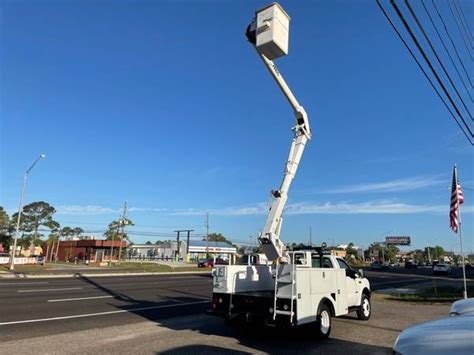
point(361, 272)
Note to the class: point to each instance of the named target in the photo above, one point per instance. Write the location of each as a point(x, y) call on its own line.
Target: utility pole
point(112, 244)
point(117, 232)
point(57, 246)
point(20, 210)
point(429, 256)
point(207, 235)
point(310, 237)
point(187, 240)
point(123, 222)
point(188, 231)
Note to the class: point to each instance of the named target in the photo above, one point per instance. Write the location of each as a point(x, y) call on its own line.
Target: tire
point(365, 310)
point(323, 322)
point(235, 322)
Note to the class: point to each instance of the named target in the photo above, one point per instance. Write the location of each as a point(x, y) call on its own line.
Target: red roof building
point(91, 250)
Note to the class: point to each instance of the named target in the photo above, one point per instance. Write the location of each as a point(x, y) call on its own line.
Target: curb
point(78, 274)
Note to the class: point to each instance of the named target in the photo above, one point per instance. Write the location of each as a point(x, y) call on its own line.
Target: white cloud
point(407, 184)
point(302, 208)
point(84, 210)
point(370, 207)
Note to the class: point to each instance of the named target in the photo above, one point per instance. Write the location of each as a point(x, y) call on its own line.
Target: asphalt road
point(70, 307)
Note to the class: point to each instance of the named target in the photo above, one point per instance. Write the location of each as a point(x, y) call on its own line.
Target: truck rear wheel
point(365, 310)
point(323, 322)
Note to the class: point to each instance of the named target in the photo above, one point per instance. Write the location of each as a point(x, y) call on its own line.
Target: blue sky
point(165, 105)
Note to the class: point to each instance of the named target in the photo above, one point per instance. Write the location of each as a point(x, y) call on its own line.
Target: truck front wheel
point(365, 310)
point(323, 322)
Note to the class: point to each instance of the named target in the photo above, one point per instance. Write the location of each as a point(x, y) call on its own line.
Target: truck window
point(343, 264)
point(316, 261)
point(299, 259)
point(327, 263)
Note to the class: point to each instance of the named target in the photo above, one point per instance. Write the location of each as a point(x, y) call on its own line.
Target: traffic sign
point(398, 240)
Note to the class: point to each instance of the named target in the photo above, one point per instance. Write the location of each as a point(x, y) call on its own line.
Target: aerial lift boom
point(269, 238)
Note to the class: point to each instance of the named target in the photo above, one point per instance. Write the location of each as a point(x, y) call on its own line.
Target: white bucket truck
point(300, 286)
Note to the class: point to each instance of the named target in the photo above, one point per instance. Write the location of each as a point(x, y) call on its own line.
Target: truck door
point(351, 284)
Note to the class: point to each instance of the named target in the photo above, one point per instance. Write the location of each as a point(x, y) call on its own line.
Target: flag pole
point(462, 256)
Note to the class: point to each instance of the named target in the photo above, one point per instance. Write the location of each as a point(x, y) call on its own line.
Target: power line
point(422, 69)
point(134, 225)
point(452, 42)
point(436, 55)
point(459, 28)
point(464, 26)
point(425, 57)
point(447, 50)
point(467, 23)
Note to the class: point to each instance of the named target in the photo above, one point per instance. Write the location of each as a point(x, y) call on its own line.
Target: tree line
point(38, 227)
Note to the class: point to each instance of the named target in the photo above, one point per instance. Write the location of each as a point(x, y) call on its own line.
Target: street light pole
point(20, 209)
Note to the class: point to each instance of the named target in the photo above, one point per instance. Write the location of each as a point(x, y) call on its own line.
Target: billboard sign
point(398, 240)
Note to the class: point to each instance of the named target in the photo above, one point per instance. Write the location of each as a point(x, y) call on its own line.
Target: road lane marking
point(79, 299)
point(102, 313)
point(51, 289)
point(23, 283)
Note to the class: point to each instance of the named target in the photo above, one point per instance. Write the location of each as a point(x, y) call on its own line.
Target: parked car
point(462, 307)
point(211, 262)
point(441, 269)
point(410, 264)
point(40, 259)
point(450, 335)
point(378, 265)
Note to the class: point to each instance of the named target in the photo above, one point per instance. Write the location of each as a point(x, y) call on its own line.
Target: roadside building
point(91, 250)
point(164, 251)
point(169, 250)
point(200, 250)
point(341, 253)
point(448, 257)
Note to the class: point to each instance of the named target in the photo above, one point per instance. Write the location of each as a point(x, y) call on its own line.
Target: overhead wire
point(470, 139)
point(410, 9)
point(452, 42)
point(464, 26)
point(430, 65)
point(467, 23)
point(446, 49)
point(460, 30)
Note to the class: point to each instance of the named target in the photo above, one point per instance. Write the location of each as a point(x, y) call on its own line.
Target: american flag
point(456, 200)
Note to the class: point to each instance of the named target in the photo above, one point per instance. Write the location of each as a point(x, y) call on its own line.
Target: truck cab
point(354, 281)
point(253, 259)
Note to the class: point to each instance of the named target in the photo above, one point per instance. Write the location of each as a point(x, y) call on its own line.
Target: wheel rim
point(366, 307)
point(325, 322)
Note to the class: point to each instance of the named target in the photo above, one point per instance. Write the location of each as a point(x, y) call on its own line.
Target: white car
point(451, 335)
point(441, 269)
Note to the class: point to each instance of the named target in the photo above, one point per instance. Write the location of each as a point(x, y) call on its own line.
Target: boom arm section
point(270, 237)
